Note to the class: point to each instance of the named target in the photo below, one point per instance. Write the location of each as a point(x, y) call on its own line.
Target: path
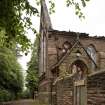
point(21, 102)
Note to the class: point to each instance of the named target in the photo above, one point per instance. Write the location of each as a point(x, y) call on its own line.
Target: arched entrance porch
point(80, 70)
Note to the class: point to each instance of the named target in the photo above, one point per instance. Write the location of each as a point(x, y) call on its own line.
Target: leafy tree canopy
point(77, 4)
point(11, 78)
point(12, 25)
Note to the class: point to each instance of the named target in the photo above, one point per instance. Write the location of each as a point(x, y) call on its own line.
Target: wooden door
point(80, 93)
point(80, 89)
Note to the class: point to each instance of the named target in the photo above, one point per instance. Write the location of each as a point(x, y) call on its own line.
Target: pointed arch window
point(91, 50)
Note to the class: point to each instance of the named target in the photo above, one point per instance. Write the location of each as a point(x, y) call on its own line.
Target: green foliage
point(25, 94)
point(5, 95)
point(52, 7)
point(11, 79)
point(14, 23)
point(78, 5)
point(32, 72)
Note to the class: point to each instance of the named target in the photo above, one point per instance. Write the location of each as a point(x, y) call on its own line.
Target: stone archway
point(80, 64)
point(79, 69)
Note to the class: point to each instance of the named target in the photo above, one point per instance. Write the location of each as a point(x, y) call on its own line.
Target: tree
point(32, 72)
point(77, 4)
point(13, 24)
point(11, 79)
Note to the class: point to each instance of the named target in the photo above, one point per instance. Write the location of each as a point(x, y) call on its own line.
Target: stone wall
point(96, 89)
point(57, 39)
point(63, 90)
point(44, 94)
point(64, 95)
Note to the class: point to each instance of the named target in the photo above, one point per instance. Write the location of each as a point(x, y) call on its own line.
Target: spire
point(45, 21)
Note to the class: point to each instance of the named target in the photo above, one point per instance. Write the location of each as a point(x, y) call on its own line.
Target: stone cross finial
point(78, 36)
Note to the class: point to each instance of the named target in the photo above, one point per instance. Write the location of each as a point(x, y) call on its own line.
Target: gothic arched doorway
point(79, 69)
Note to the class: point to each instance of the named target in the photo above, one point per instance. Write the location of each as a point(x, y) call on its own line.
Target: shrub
point(5, 95)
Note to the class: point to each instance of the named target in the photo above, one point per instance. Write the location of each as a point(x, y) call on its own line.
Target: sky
point(94, 23)
point(65, 19)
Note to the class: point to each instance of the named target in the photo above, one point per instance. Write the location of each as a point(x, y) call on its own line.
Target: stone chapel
point(71, 66)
